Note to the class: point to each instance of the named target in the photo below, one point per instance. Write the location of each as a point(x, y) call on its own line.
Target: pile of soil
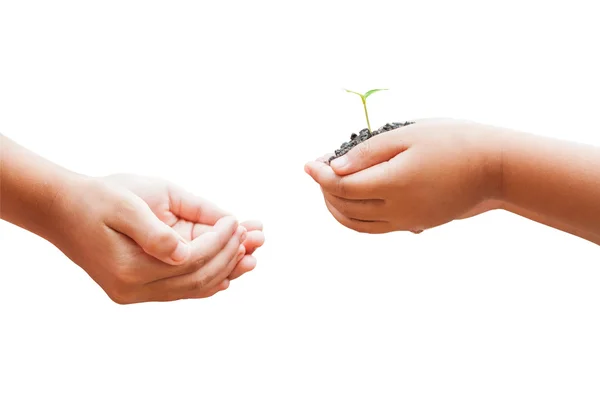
point(363, 135)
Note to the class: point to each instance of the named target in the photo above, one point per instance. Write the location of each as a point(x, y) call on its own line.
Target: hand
point(189, 215)
point(413, 178)
point(126, 245)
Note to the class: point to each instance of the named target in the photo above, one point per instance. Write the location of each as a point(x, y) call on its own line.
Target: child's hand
point(143, 240)
point(189, 215)
point(413, 178)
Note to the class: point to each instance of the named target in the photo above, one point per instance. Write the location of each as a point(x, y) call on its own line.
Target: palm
point(190, 216)
point(162, 206)
point(168, 208)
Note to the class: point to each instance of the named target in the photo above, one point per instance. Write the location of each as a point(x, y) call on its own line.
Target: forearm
point(29, 186)
point(551, 222)
point(553, 182)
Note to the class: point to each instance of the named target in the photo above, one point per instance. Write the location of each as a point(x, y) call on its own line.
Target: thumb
point(136, 220)
point(370, 152)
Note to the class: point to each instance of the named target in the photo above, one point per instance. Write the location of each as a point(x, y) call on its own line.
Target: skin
point(141, 239)
point(435, 171)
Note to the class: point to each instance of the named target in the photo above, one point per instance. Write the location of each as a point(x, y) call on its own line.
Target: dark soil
point(363, 135)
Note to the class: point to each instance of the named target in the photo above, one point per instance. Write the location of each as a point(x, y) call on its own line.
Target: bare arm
point(102, 225)
point(29, 185)
point(435, 171)
point(553, 182)
point(553, 223)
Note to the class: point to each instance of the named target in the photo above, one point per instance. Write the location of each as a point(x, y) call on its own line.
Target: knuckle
point(126, 204)
point(124, 207)
point(199, 282)
point(199, 261)
point(363, 151)
point(157, 239)
point(125, 275)
point(341, 188)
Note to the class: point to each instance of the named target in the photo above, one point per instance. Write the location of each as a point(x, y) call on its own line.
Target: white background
point(230, 99)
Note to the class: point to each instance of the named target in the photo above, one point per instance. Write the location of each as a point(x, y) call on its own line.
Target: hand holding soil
point(410, 178)
point(422, 175)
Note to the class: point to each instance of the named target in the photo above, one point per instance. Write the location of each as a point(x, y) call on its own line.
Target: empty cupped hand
point(143, 239)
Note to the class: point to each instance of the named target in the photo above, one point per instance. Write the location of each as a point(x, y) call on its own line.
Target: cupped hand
point(190, 216)
point(143, 240)
point(413, 178)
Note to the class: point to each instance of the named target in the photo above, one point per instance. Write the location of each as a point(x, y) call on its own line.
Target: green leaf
point(360, 94)
point(370, 92)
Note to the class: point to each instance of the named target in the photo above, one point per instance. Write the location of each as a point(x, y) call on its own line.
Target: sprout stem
point(366, 113)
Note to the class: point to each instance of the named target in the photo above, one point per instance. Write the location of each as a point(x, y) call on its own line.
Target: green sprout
point(363, 97)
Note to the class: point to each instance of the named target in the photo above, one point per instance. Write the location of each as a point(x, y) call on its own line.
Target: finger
point(246, 264)
point(194, 208)
point(254, 240)
point(220, 282)
point(172, 297)
point(368, 210)
point(149, 269)
point(325, 158)
point(373, 151)
point(231, 264)
point(358, 225)
point(200, 282)
point(219, 288)
point(200, 229)
point(208, 245)
point(134, 218)
point(357, 186)
point(253, 225)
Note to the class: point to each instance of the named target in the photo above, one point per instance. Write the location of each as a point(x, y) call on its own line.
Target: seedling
point(367, 133)
point(363, 97)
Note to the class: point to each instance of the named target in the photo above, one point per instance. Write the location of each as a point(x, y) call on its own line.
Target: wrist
point(492, 151)
point(31, 190)
point(66, 187)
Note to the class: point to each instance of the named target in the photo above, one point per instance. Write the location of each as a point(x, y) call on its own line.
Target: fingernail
point(181, 252)
point(339, 162)
point(243, 235)
point(241, 251)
